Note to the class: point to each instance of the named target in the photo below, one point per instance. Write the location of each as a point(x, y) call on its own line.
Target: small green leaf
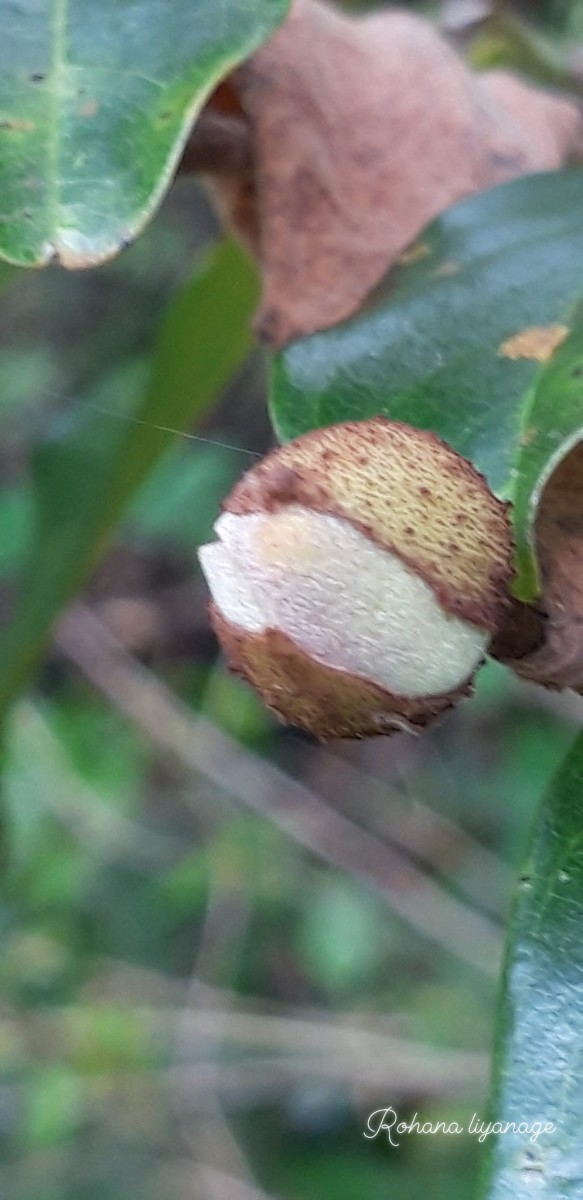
point(53, 1107)
point(553, 424)
point(538, 1071)
point(427, 347)
point(179, 500)
point(344, 934)
point(96, 102)
point(85, 473)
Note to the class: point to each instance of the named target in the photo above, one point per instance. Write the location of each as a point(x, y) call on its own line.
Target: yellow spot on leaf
point(414, 254)
point(537, 343)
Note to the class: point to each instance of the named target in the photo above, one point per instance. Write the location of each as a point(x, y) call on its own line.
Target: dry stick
point(254, 1023)
point(203, 748)
point(423, 833)
point(221, 1186)
point(331, 1036)
point(309, 1035)
point(348, 1054)
point(272, 1051)
point(255, 1080)
point(212, 1141)
point(79, 807)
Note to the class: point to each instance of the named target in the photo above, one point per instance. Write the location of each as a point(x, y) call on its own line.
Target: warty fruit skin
point(413, 499)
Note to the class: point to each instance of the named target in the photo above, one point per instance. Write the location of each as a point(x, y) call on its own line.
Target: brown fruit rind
point(327, 702)
point(408, 492)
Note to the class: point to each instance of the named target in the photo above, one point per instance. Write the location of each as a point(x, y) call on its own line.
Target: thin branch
point(78, 806)
point(255, 1029)
point(252, 1080)
point(221, 1186)
point(211, 1140)
point(203, 748)
point(428, 836)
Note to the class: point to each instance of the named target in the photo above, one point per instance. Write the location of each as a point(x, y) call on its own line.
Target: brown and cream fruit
point(358, 576)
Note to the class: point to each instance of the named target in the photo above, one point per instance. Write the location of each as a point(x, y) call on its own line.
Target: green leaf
point(426, 347)
point(178, 503)
point(553, 424)
point(87, 471)
point(15, 521)
point(538, 1072)
point(7, 275)
point(96, 102)
point(344, 934)
point(53, 1107)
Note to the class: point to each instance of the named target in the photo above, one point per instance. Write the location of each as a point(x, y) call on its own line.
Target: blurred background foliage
point(223, 946)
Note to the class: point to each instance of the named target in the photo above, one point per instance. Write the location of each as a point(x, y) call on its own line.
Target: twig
point(78, 806)
point(213, 1145)
point(433, 839)
point(252, 1080)
point(221, 1186)
point(203, 748)
point(323, 1033)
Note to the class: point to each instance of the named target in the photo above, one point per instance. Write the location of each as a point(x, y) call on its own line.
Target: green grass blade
point(85, 473)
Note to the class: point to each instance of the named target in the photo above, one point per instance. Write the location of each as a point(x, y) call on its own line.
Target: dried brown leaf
point(364, 129)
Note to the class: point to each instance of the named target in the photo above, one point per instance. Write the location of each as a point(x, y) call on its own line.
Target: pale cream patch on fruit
point(341, 598)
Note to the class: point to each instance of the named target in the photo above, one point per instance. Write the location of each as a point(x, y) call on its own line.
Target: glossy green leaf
point(87, 471)
point(426, 347)
point(96, 101)
point(538, 1075)
point(553, 424)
